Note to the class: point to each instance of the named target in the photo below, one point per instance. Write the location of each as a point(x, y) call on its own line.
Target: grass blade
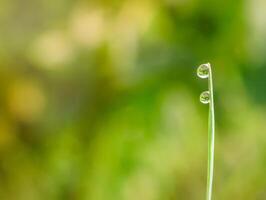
point(205, 71)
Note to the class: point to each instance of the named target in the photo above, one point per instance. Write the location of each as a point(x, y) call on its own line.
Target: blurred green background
point(99, 100)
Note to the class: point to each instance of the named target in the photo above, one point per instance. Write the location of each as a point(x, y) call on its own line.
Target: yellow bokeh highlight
point(26, 100)
point(87, 26)
point(53, 50)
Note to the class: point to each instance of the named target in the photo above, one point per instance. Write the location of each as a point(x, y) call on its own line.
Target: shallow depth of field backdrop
point(99, 100)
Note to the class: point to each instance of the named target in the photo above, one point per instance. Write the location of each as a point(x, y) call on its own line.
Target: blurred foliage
point(99, 99)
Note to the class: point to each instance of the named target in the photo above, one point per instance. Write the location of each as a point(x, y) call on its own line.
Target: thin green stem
point(211, 137)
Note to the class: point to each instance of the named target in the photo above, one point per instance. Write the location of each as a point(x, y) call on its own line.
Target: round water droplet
point(203, 70)
point(205, 97)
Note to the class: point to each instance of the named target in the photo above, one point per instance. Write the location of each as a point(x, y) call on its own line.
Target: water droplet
point(203, 70)
point(205, 97)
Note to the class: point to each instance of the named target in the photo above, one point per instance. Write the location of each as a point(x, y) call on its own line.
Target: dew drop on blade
point(205, 97)
point(203, 70)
